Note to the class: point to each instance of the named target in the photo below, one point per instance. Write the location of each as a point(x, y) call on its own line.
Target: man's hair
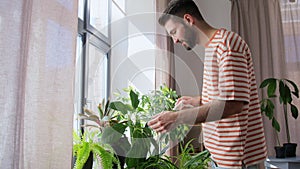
point(179, 8)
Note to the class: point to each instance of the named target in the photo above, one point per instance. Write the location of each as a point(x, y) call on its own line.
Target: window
point(98, 17)
point(118, 10)
point(92, 59)
point(97, 75)
point(78, 82)
point(291, 26)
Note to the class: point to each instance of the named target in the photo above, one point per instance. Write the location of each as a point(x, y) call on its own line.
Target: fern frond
point(106, 157)
point(82, 155)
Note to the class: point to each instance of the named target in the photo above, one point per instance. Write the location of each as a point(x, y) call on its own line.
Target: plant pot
point(290, 149)
point(280, 151)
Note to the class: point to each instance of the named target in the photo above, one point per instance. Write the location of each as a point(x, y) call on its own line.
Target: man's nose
point(175, 40)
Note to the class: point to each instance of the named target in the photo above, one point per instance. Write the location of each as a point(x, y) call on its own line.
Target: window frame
point(90, 35)
point(91, 28)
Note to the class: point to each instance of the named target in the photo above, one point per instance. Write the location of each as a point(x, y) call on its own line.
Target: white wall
point(133, 55)
point(134, 62)
point(188, 64)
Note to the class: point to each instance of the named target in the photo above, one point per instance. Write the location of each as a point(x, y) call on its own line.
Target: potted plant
point(110, 129)
point(123, 125)
point(85, 149)
point(120, 126)
point(187, 159)
point(281, 89)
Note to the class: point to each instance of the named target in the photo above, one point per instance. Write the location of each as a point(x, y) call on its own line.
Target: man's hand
point(188, 102)
point(164, 121)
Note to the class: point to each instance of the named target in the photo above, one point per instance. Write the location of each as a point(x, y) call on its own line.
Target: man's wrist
point(178, 116)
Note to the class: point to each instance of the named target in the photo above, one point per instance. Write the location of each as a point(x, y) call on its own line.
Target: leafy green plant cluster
point(122, 124)
point(187, 159)
point(283, 88)
point(83, 146)
point(154, 102)
point(140, 135)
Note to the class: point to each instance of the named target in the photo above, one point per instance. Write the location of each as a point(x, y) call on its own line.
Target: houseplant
point(281, 89)
point(123, 125)
point(120, 126)
point(85, 149)
point(187, 159)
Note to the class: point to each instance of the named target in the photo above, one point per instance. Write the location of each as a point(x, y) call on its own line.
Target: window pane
point(80, 9)
point(97, 77)
point(116, 13)
point(120, 3)
point(78, 84)
point(99, 15)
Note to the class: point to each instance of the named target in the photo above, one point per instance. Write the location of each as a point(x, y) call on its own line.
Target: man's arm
point(211, 111)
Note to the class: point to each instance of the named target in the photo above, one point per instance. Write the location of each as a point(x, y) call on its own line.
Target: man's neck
point(206, 32)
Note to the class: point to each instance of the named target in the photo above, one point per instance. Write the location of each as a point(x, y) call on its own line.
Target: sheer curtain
point(36, 83)
point(290, 13)
point(260, 24)
point(164, 60)
point(165, 63)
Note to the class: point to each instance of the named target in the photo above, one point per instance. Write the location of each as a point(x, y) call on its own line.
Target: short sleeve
point(234, 78)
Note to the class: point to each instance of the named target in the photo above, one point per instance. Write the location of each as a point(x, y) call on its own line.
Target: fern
point(107, 158)
point(82, 155)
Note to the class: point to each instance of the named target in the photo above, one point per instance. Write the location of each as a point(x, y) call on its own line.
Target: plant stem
point(277, 138)
point(286, 123)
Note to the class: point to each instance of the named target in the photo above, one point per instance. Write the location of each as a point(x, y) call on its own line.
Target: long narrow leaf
point(89, 112)
point(267, 82)
point(271, 88)
point(294, 111)
point(134, 99)
point(282, 92)
point(101, 113)
point(296, 90)
point(275, 125)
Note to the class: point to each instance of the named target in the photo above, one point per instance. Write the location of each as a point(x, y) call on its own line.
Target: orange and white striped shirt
point(229, 75)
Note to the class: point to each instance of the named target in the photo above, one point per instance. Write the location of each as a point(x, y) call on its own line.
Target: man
point(229, 106)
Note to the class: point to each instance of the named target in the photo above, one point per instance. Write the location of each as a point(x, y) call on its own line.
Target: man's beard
point(190, 37)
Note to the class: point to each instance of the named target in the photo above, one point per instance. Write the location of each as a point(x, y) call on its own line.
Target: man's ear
point(189, 19)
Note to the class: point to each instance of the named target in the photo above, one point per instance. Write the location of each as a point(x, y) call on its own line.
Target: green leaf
point(276, 125)
point(134, 99)
point(113, 133)
point(263, 106)
point(138, 152)
point(106, 156)
point(268, 108)
point(137, 134)
point(120, 106)
point(267, 82)
point(101, 113)
point(296, 90)
point(134, 162)
point(82, 155)
point(271, 88)
point(148, 132)
point(122, 145)
point(139, 148)
point(288, 94)
point(282, 92)
point(294, 111)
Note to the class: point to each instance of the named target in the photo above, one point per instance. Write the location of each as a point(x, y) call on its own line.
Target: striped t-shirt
point(229, 75)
